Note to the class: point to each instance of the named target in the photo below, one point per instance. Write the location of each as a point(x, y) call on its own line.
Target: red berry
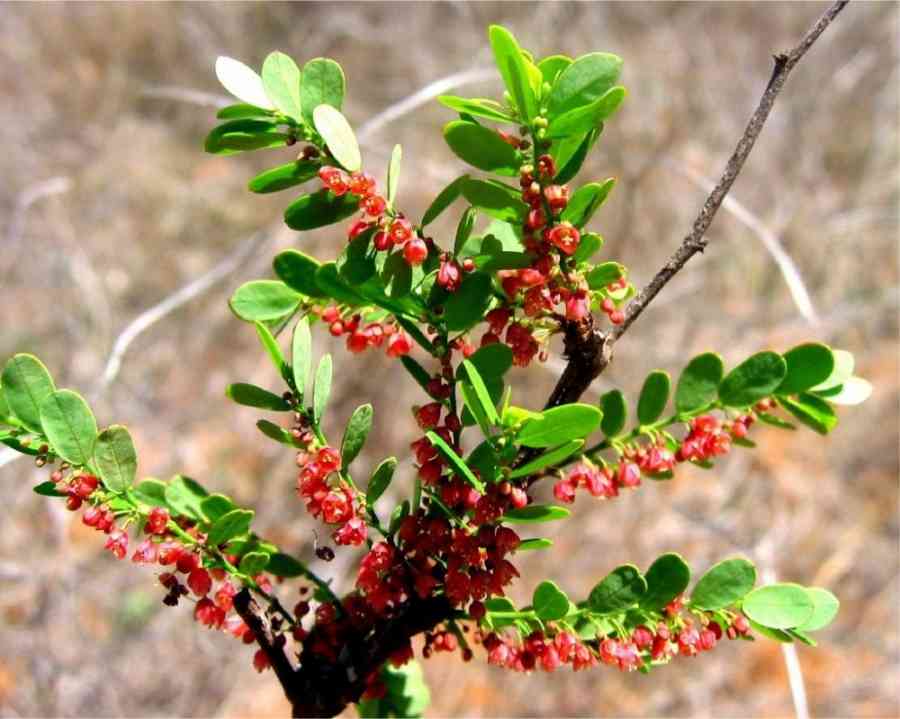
point(400, 230)
point(157, 520)
point(415, 251)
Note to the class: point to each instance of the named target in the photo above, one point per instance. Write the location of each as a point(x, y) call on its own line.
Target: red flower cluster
point(374, 334)
point(330, 497)
point(387, 232)
point(538, 650)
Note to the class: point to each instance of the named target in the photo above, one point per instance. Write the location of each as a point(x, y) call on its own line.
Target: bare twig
point(589, 350)
point(696, 241)
point(787, 266)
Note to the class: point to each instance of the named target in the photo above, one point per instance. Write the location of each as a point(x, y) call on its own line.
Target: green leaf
point(301, 356)
point(779, 606)
point(215, 506)
point(812, 411)
point(338, 136)
point(478, 108)
point(495, 199)
point(551, 66)
point(281, 81)
point(604, 274)
point(270, 344)
point(621, 589)
point(549, 601)
point(274, 431)
point(843, 370)
point(283, 177)
point(584, 81)
point(322, 388)
point(586, 201)
point(654, 397)
point(116, 458)
point(589, 245)
point(854, 391)
point(253, 563)
point(242, 82)
point(48, 489)
point(235, 523)
point(355, 434)
point(393, 176)
point(319, 209)
point(481, 147)
point(356, 263)
point(298, 272)
point(530, 545)
point(333, 286)
point(321, 82)
point(250, 395)
point(284, 565)
point(511, 64)
point(473, 377)
point(418, 372)
point(380, 480)
point(69, 426)
point(243, 135)
point(241, 111)
point(752, 380)
point(184, 496)
point(825, 609)
point(570, 153)
point(774, 421)
point(724, 584)
point(548, 459)
point(534, 513)
point(560, 424)
point(445, 198)
point(152, 492)
point(699, 382)
point(263, 300)
point(464, 229)
point(456, 462)
point(808, 365)
point(485, 460)
point(26, 384)
point(667, 578)
point(615, 413)
point(588, 117)
point(467, 306)
point(397, 275)
point(491, 361)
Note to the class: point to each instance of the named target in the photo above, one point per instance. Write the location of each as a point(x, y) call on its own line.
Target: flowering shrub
point(458, 313)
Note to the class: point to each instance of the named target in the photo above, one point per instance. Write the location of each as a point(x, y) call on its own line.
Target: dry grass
point(144, 212)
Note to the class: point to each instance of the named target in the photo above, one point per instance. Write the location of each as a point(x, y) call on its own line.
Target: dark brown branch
point(589, 350)
point(696, 241)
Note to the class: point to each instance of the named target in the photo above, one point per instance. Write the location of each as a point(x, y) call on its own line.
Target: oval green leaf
point(338, 136)
point(116, 458)
point(69, 425)
point(560, 424)
point(584, 81)
point(621, 589)
point(586, 201)
point(321, 83)
point(263, 300)
point(250, 395)
point(654, 397)
point(358, 428)
point(752, 380)
point(495, 199)
point(319, 209)
point(322, 388)
point(283, 177)
point(242, 82)
point(808, 365)
point(667, 578)
point(724, 584)
point(779, 606)
point(235, 523)
point(26, 384)
point(445, 198)
point(467, 306)
point(380, 480)
point(534, 513)
point(548, 459)
point(481, 147)
point(825, 609)
point(281, 82)
point(615, 413)
point(301, 356)
point(699, 382)
point(549, 601)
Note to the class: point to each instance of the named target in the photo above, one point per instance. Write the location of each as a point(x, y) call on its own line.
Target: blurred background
point(109, 207)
